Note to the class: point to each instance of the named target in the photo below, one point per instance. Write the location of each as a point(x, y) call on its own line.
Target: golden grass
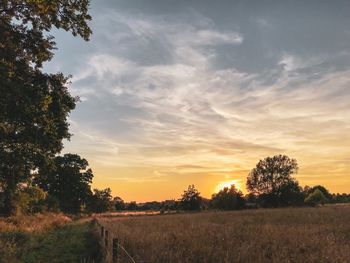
point(265, 235)
point(33, 223)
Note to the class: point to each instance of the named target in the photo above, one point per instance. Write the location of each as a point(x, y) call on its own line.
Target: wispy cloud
point(172, 106)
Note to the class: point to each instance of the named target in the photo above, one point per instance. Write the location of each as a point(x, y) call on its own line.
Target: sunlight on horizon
point(187, 94)
point(228, 184)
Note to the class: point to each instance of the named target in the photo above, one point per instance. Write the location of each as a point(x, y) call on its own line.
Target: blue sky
point(180, 92)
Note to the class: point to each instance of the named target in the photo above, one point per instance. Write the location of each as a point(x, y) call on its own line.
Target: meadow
point(43, 238)
point(319, 234)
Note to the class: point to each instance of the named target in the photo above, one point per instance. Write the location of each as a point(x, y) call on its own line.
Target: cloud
point(156, 98)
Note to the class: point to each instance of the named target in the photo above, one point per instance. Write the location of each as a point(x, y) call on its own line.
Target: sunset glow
point(173, 95)
point(227, 184)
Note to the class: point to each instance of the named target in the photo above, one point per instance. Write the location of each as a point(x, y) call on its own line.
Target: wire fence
point(112, 250)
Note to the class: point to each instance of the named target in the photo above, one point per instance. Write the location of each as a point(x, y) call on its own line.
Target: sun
point(228, 184)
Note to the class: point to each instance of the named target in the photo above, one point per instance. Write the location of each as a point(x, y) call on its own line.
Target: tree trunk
point(10, 204)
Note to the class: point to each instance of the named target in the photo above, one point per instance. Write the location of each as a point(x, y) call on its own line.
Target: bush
point(32, 200)
point(316, 198)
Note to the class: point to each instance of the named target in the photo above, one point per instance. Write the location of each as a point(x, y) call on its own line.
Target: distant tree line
point(66, 186)
point(270, 184)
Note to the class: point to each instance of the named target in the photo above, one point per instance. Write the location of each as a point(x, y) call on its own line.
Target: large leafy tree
point(100, 201)
point(271, 180)
point(33, 105)
point(68, 181)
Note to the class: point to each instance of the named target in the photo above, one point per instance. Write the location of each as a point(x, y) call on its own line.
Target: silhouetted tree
point(100, 201)
point(119, 203)
point(228, 199)
point(272, 181)
point(153, 205)
point(170, 205)
point(68, 182)
point(341, 198)
point(251, 198)
point(34, 105)
point(191, 199)
point(132, 206)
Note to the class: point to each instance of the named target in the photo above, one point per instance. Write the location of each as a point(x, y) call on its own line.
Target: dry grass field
point(265, 235)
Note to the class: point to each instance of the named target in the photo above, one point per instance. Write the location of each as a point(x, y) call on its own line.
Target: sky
point(197, 92)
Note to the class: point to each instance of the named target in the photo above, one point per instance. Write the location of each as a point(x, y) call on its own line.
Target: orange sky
point(174, 94)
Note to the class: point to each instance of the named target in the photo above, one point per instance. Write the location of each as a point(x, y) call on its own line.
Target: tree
point(132, 206)
point(34, 105)
point(119, 203)
point(272, 181)
point(316, 198)
point(32, 199)
point(100, 201)
point(309, 190)
point(68, 182)
point(228, 199)
point(191, 199)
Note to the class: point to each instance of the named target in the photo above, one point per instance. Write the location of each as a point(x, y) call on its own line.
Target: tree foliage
point(68, 182)
point(33, 105)
point(316, 198)
point(272, 181)
point(32, 199)
point(119, 203)
point(309, 190)
point(228, 199)
point(131, 206)
point(191, 199)
point(100, 201)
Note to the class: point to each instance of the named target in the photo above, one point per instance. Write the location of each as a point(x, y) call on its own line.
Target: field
point(46, 238)
point(265, 235)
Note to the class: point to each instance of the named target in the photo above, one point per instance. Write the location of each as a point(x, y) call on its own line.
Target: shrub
point(316, 198)
point(32, 200)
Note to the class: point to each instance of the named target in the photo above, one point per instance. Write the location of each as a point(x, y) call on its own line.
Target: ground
point(319, 234)
point(46, 238)
point(265, 235)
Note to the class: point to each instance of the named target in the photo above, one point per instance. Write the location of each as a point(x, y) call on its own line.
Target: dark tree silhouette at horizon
point(228, 199)
point(271, 180)
point(191, 199)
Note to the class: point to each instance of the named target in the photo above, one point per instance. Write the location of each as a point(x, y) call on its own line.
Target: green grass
point(72, 242)
point(263, 235)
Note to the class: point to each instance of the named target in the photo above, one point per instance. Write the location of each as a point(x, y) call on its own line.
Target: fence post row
point(114, 245)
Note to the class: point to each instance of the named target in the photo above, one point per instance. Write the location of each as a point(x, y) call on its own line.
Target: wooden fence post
point(106, 238)
point(115, 250)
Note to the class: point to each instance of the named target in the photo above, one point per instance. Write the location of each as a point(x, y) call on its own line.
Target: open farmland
point(265, 235)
